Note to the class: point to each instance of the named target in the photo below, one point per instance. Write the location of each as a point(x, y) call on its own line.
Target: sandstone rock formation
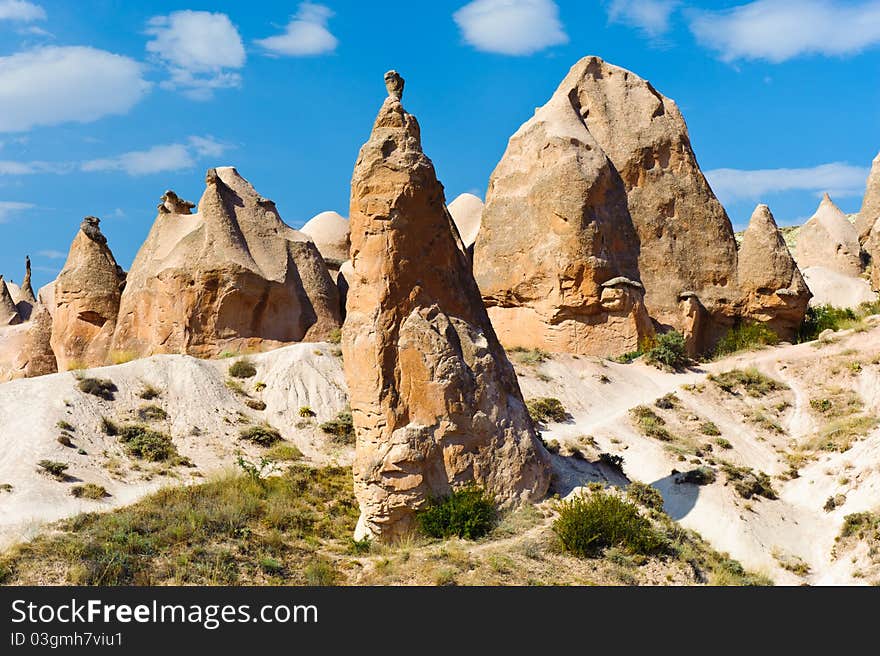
point(233, 276)
point(829, 240)
point(24, 297)
point(774, 291)
point(467, 213)
point(870, 212)
point(9, 315)
point(329, 231)
point(171, 203)
point(873, 248)
point(86, 299)
point(436, 403)
point(37, 357)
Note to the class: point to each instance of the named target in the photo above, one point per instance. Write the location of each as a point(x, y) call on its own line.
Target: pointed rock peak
point(171, 203)
point(829, 211)
point(394, 83)
point(27, 290)
point(8, 312)
point(762, 217)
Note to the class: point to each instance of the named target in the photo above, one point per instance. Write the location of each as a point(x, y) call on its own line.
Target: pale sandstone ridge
point(829, 240)
point(435, 401)
point(774, 291)
point(873, 248)
point(329, 231)
point(870, 212)
point(687, 242)
point(467, 213)
point(37, 357)
point(9, 315)
point(86, 298)
point(232, 276)
point(557, 254)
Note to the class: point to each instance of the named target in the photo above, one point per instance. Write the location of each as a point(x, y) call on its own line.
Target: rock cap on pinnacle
point(394, 83)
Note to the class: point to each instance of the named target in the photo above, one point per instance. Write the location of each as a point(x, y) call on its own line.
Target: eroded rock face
point(171, 203)
point(37, 357)
point(9, 315)
point(687, 241)
point(232, 276)
point(829, 240)
point(436, 403)
point(86, 299)
point(467, 213)
point(774, 291)
point(870, 212)
point(557, 255)
point(873, 248)
point(329, 231)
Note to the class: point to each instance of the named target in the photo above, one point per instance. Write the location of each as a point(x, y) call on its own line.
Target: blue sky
point(108, 103)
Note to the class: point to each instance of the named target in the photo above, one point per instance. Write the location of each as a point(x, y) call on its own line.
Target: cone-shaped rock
point(687, 241)
point(25, 299)
point(329, 231)
point(467, 212)
point(9, 315)
point(556, 258)
point(774, 291)
point(232, 276)
point(435, 402)
point(829, 240)
point(870, 212)
point(37, 357)
point(86, 299)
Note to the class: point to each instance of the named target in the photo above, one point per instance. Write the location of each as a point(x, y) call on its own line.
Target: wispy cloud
point(52, 255)
point(202, 51)
point(306, 33)
point(511, 27)
point(653, 17)
point(21, 11)
point(778, 30)
point(8, 209)
point(836, 178)
point(53, 85)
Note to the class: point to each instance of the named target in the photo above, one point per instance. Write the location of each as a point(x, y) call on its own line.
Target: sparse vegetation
point(263, 435)
point(825, 317)
point(306, 412)
point(745, 336)
point(64, 440)
point(102, 388)
point(284, 452)
point(89, 491)
point(613, 461)
point(860, 525)
point(723, 443)
point(55, 469)
point(341, 429)
point(66, 426)
point(6, 487)
point(669, 350)
point(752, 381)
point(335, 336)
point(698, 476)
point(529, 357)
point(839, 436)
point(544, 410)
point(109, 427)
point(650, 423)
point(255, 404)
point(242, 369)
point(151, 413)
point(709, 428)
point(145, 444)
point(668, 402)
point(588, 525)
point(148, 393)
point(749, 483)
point(645, 495)
point(468, 513)
point(236, 387)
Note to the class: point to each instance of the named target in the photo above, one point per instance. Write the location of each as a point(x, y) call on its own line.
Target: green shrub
point(66, 426)
point(543, 410)
point(615, 462)
point(145, 444)
point(669, 350)
point(587, 525)
point(53, 468)
point(724, 444)
point(824, 317)
point(243, 368)
point(263, 435)
point(89, 491)
point(668, 402)
point(321, 573)
point(698, 476)
point(859, 524)
point(627, 358)
point(751, 380)
point(340, 429)
point(821, 405)
point(152, 413)
point(468, 513)
point(645, 495)
point(64, 440)
point(709, 428)
point(529, 356)
point(284, 452)
point(749, 483)
point(335, 336)
point(104, 389)
point(109, 427)
point(305, 412)
point(148, 393)
point(745, 336)
point(650, 423)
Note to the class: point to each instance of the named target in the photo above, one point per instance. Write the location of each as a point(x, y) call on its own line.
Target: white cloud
point(200, 49)
point(52, 255)
point(778, 30)
point(9, 208)
point(650, 16)
point(305, 34)
point(19, 10)
point(838, 178)
point(53, 85)
point(511, 27)
point(159, 159)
